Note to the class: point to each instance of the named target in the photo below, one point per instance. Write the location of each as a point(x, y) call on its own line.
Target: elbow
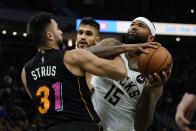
point(124, 73)
point(121, 70)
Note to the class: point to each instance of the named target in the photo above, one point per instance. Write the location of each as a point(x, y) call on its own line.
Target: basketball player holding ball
point(55, 79)
point(128, 105)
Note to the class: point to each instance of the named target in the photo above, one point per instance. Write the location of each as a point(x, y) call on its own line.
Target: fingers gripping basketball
point(156, 60)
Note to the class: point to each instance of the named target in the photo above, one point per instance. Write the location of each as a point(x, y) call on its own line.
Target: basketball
point(156, 60)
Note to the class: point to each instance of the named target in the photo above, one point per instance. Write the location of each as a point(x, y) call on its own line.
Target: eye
point(142, 25)
point(80, 32)
point(89, 33)
point(132, 24)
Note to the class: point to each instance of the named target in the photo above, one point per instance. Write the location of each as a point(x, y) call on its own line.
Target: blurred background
point(16, 109)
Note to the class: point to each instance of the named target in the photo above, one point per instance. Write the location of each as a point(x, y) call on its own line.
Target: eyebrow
point(85, 30)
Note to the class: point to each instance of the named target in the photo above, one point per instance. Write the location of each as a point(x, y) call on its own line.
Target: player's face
point(87, 36)
point(138, 32)
point(58, 34)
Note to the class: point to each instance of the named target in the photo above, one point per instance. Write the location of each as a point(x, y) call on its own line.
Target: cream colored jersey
point(116, 101)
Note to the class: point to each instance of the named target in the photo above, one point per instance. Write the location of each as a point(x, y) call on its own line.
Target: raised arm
point(107, 48)
point(83, 60)
point(144, 115)
point(187, 106)
point(185, 111)
point(151, 94)
point(110, 47)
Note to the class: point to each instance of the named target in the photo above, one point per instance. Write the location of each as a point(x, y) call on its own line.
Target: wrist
point(181, 107)
point(129, 47)
point(152, 89)
point(125, 47)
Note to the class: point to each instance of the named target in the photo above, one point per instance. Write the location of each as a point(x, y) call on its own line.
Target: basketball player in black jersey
point(55, 79)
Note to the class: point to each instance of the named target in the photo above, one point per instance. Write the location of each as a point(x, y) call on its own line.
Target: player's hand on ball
point(142, 46)
point(156, 80)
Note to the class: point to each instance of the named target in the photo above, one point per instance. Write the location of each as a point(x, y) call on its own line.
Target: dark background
point(16, 110)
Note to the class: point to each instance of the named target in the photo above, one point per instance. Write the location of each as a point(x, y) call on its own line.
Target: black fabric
point(192, 84)
point(76, 126)
point(59, 96)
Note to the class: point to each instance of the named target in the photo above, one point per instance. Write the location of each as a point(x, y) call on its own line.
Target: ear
point(151, 38)
point(50, 35)
point(97, 40)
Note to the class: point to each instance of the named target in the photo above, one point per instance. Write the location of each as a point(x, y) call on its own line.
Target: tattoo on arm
point(107, 48)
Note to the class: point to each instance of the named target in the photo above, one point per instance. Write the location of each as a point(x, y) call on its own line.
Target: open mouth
point(133, 33)
point(82, 44)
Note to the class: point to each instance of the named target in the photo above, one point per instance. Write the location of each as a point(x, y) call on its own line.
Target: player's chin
point(82, 46)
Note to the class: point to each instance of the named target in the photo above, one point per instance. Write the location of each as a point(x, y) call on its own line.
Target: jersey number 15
point(113, 97)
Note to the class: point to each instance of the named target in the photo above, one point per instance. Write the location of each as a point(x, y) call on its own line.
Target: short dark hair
point(36, 27)
point(90, 21)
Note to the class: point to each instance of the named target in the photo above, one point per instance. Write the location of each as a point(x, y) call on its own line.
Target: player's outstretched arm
point(144, 115)
point(185, 111)
point(151, 94)
point(111, 47)
point(82, 59)
point(107, 48)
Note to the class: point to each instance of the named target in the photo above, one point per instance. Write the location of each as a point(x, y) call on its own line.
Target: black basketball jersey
point(59, 95)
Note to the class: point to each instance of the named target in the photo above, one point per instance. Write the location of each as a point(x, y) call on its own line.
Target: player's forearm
point(107, 52)
point(110, 47)
point(141, 122)
point(188, 102)
point(150, 98)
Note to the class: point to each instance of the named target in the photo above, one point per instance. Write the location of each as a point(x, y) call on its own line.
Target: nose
point(83, 36)
point(61, 32)
point(133, 28)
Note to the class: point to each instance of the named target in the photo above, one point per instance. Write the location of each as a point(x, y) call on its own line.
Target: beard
point(59, 42)
point(134, 39)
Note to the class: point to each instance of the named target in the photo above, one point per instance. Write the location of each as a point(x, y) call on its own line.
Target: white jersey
point(116, 101)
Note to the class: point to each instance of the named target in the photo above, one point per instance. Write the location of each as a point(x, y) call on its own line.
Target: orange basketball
point(156, 60)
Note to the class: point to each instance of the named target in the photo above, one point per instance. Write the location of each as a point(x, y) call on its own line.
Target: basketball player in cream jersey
point(116, 103)
point(128, 105)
